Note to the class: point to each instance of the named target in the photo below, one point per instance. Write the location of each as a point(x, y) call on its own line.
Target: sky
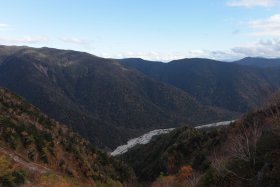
point(150, 29)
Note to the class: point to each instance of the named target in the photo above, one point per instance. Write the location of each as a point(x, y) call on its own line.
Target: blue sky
point(150, 29)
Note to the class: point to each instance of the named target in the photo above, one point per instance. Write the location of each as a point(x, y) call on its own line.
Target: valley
point(178, 124)
point(97, 96)
point(147, 137)
point(106, 93)
point(242, 154)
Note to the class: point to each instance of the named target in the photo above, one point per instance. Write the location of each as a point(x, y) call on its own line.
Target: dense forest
point(237, 86)
point(246, 153)
point(37, 150)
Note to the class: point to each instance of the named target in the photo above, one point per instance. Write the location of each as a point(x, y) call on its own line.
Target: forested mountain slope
point(230, 86)
point(42, 151)
point(243, 154)
point(99, 98)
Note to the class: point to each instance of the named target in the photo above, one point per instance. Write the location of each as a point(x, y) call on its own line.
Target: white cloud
point(263, 48)
point(252, 3)
point(3, 26)
point(23, 40)
point(154, 56)
point(165, 57)
point(266, 27)
point(76, 41)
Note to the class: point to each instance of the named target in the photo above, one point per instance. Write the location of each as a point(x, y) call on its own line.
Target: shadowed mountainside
point(259, 62)
point(226, 85)
point(99, 98)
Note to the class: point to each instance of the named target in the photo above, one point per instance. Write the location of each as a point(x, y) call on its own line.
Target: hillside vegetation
point(243, 154)
point(37, 150)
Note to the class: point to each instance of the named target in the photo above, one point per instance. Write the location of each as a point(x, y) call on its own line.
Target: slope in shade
point(99, 98)
point(260, 62)
point(230, 86)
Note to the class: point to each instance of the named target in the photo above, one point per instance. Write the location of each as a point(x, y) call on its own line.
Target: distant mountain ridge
point(259, 62)
point(101, 99)
point(250, 61)
point(230, 86)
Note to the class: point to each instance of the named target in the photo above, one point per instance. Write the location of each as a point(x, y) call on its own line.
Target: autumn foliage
point(185, 172)
point(30, 139)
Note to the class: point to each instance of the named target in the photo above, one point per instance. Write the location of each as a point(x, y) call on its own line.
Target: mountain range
point(109, 101)
point(99, 98)
point(259, 62)
point(83, 106)
point(230, 86)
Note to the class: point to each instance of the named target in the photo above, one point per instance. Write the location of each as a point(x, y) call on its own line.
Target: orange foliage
point(166, 181)
point(185, 171)
point(49, 180)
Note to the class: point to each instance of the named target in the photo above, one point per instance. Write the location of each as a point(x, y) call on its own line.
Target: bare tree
point(243, 144)
point(273, 104)
point(193, 179)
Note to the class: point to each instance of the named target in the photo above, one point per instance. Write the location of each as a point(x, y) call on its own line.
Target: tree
point(243, 144)
point(9, 174)
point(185, 171)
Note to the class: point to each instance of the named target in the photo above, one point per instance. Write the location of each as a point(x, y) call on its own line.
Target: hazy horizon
point(161, 31)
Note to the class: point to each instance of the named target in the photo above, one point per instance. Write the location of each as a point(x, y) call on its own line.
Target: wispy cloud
point(165, 57)
point(3, 26)
point(262, 48)
point(76, 41)
point(266, 27)
point(154, 56)
point(23, 40)
point(252, 3)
